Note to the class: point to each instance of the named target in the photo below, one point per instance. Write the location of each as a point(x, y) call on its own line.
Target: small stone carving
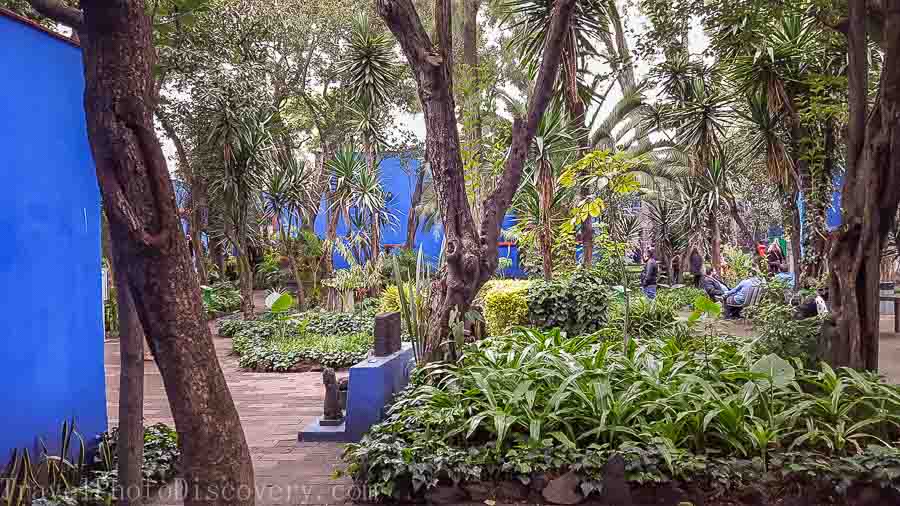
point(333, 413)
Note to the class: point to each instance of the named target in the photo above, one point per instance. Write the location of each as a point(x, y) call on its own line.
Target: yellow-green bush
point(390, 299)
point(505, 305)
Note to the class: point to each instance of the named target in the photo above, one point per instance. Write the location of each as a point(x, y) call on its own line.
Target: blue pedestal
point(373, 382)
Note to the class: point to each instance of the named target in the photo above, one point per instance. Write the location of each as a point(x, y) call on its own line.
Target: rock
point(866, 495)
point(512, 489)
point(446, 494)
point(538, 481)
point(478, 491)
point(616, 491)
point(563, 490)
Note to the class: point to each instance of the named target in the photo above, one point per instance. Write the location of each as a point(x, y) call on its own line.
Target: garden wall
point(51, 353)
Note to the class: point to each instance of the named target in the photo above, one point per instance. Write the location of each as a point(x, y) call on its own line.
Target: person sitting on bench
point(711, 284)
point(735, 298)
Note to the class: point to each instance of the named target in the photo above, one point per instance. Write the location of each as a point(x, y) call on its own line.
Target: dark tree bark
point(871, 191)
point(131, 397)
point(471, 255)
point(217, 250)
point(545, 189)
point(149, 251)
point(715, 243)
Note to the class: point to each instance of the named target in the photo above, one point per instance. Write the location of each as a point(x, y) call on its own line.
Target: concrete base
point(373, 383)
point(317, 433)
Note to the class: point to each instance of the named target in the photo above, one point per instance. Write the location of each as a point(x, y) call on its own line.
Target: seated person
point(785, 276)
point(813, 306)
point(736, 297)
point(711, 284)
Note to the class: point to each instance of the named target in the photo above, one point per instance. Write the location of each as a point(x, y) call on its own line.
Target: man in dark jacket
point(696, 265)
point(648, 277)
point(712, 286)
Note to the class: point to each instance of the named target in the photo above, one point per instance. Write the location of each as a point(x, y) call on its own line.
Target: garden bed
point(695, 416)
point(301, 342)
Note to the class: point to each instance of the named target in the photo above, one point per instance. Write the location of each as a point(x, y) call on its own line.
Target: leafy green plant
point(329, 339)
point(577, 304)
point(505, 305)
point(537, 400)
point(740, 265)
point(221, 298)
point(780, 332)
point(68, 478)
point(680, 298)
point(415, 307)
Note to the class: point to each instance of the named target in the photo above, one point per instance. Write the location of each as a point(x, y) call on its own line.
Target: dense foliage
point(312, 338)
point(537, 402)
point(576, 304)
point(220, 298)
point(63, 480)
point(505, 305)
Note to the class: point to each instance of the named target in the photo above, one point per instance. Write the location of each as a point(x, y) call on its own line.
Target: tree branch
point(404, 22)
point(523, 131)
point(57, 11)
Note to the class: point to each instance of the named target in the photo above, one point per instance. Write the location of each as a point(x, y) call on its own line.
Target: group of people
point(709, 281)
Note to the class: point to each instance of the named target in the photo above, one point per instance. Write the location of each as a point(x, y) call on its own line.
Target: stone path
point(272, 407)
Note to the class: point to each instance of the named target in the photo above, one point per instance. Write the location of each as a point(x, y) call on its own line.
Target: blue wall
point(400, 184)
point(51, 356)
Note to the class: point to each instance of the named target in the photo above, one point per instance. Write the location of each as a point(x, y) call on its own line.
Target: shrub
point(505, 305)
point(539, 402)
point(577, 304)
point(390, 299)
point(325, 323)
point(221, 298)
point(646, 318)
point(52, 480)
point(739, 265)
point(680, 298)
point(780, 333)
point(277, 346)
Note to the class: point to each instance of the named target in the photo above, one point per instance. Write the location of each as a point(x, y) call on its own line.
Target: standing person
point(696, 265)
point(649, 275)
point(761, 248)
point(774, 257)
point(676, 270)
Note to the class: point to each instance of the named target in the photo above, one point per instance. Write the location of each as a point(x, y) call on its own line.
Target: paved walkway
point(273, 407)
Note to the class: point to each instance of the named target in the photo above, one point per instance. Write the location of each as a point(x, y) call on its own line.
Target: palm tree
point(236, 154)
point(287, 198)
point(528, 19)
point(371, 70)
point(551, 142)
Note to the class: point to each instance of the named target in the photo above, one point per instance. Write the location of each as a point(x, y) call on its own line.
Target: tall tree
point(470, 254)
point(149, 246)
point(871, 191)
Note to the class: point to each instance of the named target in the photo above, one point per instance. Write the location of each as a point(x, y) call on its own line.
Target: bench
point(896, 300)
point(754, 295)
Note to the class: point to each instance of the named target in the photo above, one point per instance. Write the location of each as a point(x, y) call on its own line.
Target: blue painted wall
point(51, 353)
point(400, 182)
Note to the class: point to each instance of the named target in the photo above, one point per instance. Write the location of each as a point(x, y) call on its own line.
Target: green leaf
point(778, 370)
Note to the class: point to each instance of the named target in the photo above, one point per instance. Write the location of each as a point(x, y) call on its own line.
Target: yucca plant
point(415, 304)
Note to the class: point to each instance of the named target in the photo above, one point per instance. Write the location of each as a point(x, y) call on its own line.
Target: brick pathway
point(273, 407)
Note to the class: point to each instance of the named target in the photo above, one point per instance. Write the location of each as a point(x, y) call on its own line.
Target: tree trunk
point(870, 194)
point(470, 254)
point(470, 59)
point(131, 397)
point(149, 249)
point(715, 243)
point(412, 218)
point(545, 186)
point(246, 283)
point(218, 254)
